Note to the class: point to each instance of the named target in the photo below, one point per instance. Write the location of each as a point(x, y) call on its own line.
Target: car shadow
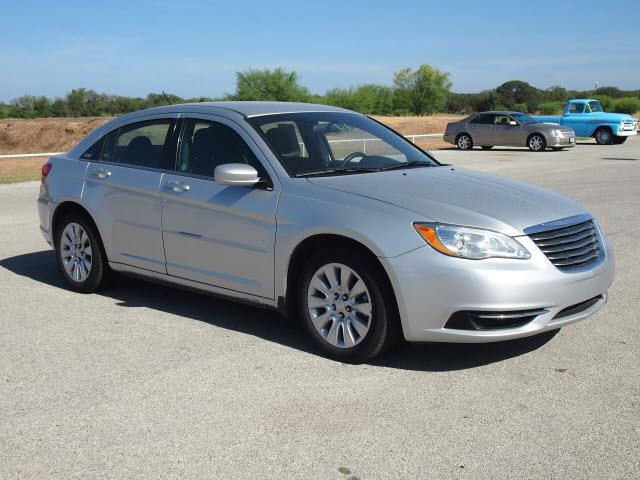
point(268, 324)
point(621, 158)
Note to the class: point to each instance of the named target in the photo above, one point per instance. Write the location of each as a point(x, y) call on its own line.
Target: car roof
point(246, 109)
point(500, 112)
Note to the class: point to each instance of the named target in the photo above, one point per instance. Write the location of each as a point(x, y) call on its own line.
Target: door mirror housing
point(513, 123)
point(236, 175)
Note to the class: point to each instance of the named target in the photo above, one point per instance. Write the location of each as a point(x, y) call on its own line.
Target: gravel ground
point(144, 381)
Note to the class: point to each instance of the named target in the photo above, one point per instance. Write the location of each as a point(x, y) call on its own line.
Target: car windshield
point(336, 143)
point(595, 107)
point(522, 118)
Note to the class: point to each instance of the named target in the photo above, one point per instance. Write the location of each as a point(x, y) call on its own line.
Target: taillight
point(46, 168)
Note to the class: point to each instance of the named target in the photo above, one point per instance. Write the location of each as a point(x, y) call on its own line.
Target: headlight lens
point(471, 243)
point(556, 133)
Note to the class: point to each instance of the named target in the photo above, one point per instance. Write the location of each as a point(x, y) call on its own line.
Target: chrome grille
point(570, 247)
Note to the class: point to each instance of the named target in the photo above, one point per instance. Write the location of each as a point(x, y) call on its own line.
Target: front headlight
point(471, 243)
point(556, 133)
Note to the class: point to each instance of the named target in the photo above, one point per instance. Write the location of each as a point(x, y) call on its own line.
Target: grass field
point(60, 134)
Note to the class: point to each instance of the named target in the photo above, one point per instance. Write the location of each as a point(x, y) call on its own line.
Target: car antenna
point(166, 98)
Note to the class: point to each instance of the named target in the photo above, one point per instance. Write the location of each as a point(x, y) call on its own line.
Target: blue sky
point(194, 47)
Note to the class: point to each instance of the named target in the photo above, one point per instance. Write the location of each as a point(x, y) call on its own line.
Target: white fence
point(363, 140)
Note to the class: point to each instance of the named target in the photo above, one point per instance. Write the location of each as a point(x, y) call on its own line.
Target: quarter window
point(93, 152)
point(145, 144)
point(205, 145)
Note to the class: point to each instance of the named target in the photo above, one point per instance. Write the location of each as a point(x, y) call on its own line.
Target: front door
point(506, 134)
point(124, 190)
point(219, 235)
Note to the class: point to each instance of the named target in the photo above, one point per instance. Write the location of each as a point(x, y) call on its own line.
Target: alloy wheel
point(536, 143)
point(76, 252)
point(339, 304)
point(464, 142)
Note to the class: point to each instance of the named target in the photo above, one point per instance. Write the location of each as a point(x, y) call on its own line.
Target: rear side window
point(484, 119)
point(144, 144)
point(204, 145)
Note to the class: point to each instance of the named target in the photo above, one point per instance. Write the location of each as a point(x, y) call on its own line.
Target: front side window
point(144, 144)
point(502, 120)
point(204, 145)
point(335, 143)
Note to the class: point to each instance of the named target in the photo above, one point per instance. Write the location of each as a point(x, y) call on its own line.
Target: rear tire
point(619, 140)
point(487, 147)
point(603, 136)
point(81, 258)
point(346, 305)
point(464, 141)
point(537, 143)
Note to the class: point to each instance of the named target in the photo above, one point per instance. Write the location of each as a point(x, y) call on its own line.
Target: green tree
point(515, 91)
point(423, 91)
point(368, 99)
point(278, 85)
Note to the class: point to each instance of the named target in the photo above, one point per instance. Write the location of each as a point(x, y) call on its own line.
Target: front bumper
point(564, 142)
point(431, 287)
point(626, 133)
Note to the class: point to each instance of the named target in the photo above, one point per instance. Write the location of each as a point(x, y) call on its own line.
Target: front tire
point(464, 141)
point(617, 140)
point(81, 258)
point(604, 136)
point(346, 307)
point(537, 143)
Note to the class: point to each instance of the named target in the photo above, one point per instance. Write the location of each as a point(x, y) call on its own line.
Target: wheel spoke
point(330, 273)
point(332, 335)
point(317, 302)
point(320, 321)
point(349, 340)
point(358, 326)
point(319, 286)
point(363, 307)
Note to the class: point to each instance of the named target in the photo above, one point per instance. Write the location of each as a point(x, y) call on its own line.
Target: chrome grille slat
point(567, 239)
point(562, 232)
point(572, 253)
point(571, 247)
point(588, 240)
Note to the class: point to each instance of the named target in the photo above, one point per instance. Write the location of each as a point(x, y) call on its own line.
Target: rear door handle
point(102, 173)
point(178, 187)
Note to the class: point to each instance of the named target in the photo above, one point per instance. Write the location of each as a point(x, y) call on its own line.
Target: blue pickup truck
point(586, 117)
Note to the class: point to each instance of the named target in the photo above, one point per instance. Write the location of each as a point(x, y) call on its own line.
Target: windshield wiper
point(411, 164)
point(337, 171)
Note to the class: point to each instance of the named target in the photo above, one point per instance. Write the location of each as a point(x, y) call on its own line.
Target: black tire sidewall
point(379, 333)
point(96, 278)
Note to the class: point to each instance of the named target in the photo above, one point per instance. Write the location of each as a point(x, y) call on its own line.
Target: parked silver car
point(326, 215)
point(514, 129)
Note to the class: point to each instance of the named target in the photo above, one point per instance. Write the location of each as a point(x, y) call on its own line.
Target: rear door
point(481, 128)
point(219, 235)
point(123, 189)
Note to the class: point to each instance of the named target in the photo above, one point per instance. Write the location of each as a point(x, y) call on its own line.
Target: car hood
point(458, 196)
point(610, 117)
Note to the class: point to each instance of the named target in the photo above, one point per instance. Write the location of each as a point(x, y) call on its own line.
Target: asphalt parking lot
point(145, 381)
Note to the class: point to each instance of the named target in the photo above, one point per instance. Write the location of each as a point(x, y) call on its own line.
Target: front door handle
point(178, 187)
point(102, 173)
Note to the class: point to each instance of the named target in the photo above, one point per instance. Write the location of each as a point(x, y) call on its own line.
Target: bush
point(521, 107)
point(551, 108)
point(628, 105)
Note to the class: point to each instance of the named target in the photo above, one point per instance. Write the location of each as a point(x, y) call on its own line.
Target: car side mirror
point(236, 175)
point(513, 123)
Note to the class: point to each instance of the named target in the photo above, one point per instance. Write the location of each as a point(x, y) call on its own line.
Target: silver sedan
point(326, 215)
point(514, 129)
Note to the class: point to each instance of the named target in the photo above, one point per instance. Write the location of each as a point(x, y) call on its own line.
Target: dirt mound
point(44, 134)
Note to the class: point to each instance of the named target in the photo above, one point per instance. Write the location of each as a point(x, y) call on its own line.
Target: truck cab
point(587, 118)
